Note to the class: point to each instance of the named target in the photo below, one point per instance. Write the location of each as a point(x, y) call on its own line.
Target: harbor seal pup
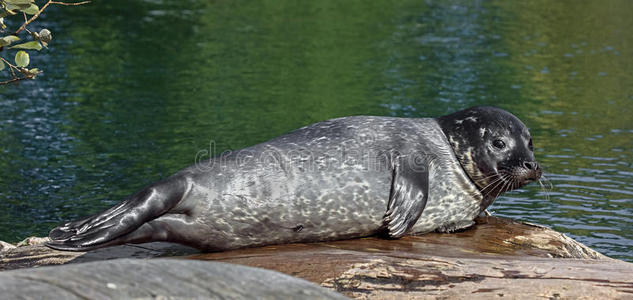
point(342, 178)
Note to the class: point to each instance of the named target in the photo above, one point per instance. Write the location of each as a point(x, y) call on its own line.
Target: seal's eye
point(499, 144)
point(530, 146)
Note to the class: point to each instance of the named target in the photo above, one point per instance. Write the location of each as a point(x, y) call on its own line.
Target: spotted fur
point(342, 178)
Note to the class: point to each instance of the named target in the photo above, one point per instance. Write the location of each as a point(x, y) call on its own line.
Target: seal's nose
point(534, 171)
point(531, 165)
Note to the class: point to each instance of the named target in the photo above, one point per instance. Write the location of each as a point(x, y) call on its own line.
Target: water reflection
point(134, 89)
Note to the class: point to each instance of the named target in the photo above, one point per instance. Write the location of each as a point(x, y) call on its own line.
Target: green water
point(132, 90)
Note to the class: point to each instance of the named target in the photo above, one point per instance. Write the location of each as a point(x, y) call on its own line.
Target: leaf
point(22, 59)
point(11, 38)
point(32, 45)
point(19, 2)
point(1, 65)
point(31, 10)
point(11, 8)
point(32, 73)
point(7, 40)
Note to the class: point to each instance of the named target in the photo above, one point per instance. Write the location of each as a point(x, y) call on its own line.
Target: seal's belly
point(298, 209)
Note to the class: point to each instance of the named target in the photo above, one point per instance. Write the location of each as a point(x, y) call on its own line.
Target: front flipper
point(409, 192)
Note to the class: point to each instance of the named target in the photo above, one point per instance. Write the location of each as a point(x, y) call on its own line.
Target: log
point(497, 257)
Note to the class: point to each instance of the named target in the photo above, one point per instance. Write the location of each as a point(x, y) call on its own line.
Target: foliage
point(14, 9)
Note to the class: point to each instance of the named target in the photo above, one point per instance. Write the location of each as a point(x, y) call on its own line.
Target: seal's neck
point(461, 147)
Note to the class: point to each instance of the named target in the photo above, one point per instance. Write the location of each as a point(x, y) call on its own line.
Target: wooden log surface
point(496, 258)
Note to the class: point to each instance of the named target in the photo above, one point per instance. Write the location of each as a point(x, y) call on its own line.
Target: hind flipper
point(163, 228)
point(101, 229)
point(71, 228)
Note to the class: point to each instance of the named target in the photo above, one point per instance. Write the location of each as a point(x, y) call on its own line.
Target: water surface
point(132, 90)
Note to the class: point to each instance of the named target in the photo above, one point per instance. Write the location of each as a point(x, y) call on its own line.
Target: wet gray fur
point(342, 178)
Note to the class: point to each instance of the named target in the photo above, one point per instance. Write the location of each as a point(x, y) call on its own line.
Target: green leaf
point(32, 45)
point(7, 40)
point(19, 2)
point(11, 8)
point(11, 38)
point(22, 59)
point(31, 10)
point(1, 65)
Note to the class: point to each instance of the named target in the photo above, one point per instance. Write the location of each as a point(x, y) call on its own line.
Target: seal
point(342, 178)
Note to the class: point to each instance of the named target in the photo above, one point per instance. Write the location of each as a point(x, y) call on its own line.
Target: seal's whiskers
point(545, 189)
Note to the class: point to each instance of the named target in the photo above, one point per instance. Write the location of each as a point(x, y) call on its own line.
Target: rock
point(5, 246)
point(40, 255)
point(156, 279)
point(32, 241)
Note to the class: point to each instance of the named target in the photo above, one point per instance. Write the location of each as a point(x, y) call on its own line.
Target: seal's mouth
point(529, 172)
point(508, 179)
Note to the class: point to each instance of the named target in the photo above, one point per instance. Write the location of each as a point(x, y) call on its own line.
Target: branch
point(26, 73)
point(35, 16)
point(15, 77)
point(69, 3)
point(11, 67)
point(15, 80)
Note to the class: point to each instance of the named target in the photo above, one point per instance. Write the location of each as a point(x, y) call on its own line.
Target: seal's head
point(494, 147)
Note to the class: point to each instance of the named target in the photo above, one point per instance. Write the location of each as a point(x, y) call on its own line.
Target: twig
point(15, 77)
point(15, 80)
point(70, 3)
point(26, 20)
point(11, 67)
point(36, 15)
